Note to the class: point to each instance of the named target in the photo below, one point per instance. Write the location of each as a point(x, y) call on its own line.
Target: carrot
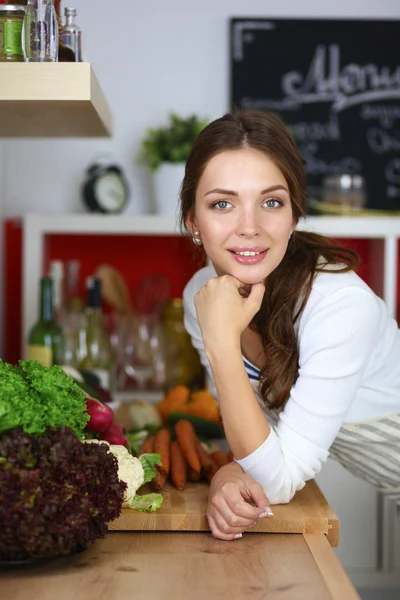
point(178, 467)
point(205, 460)
point(147, 446)
point(193, 475)
point(162, 446)
point(187, 441)
point(159, 480)
point(220, 458)
point(210, 474)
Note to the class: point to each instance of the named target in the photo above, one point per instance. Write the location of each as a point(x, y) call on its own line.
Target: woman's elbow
point(284, 493)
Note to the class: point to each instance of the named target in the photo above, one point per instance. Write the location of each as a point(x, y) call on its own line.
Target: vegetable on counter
point(162, 442)
point(187, 441)
point(143, 414)
point(101, 416)
point(179, 467)
point(184, 459)
point(57, 494)
point(34, 397)
point(134, 472)
point(199, 404)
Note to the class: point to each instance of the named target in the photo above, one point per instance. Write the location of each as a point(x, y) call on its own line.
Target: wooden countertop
point(178, 566)
point(171, 554)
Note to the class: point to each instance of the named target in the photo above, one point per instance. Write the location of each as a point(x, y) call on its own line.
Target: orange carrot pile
point(182, 460)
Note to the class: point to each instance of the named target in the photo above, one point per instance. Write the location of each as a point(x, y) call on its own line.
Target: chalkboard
point(336, 84)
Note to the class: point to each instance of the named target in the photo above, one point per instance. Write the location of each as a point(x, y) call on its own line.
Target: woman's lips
point(249, 260)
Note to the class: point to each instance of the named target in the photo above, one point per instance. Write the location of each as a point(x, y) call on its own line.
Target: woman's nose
point(248, 224)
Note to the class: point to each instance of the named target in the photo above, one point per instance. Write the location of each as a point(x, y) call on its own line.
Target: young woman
point(303, 355)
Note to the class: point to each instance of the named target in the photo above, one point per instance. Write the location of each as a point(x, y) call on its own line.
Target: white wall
point(151, 57)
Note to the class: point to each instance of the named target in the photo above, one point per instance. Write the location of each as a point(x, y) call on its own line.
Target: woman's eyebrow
point(272, 188)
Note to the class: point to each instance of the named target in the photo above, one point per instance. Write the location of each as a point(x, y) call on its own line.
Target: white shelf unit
point(385, 231)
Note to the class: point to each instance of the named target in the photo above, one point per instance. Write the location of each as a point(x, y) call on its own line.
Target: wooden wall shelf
point(51, 100)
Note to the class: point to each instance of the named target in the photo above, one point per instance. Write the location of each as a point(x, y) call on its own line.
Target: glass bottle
point(71, 35)
point(56, 274)
point(182, 361)
point(40, 32)
point(64, 54)
point(44, 339)
point(74, 302)
point(94, 352)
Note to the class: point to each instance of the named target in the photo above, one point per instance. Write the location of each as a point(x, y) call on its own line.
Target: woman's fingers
point(230, 522)
point(218, 533)
point(244, 510)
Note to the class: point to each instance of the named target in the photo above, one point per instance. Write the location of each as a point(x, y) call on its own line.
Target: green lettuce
point(147, 502)
point(33, 397)
point(149, 462)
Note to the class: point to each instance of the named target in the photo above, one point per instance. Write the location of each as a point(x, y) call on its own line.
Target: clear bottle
point(74, 302)
point(44, 341)
point(40, 32)
point(94, 352)
point(56, 274)
point(71, 35)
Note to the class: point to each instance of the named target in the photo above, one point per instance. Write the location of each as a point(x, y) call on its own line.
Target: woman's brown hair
point(288, 287)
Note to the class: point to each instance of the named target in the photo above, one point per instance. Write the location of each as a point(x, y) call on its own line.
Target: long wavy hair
point(288, 287)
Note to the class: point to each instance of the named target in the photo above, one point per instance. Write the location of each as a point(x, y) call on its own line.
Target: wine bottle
point(44, 339)
point(94, 351)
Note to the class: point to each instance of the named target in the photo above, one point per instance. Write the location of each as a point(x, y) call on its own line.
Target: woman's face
point(243, 213)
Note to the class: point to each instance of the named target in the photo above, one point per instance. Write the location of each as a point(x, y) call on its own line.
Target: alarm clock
point(105, 189)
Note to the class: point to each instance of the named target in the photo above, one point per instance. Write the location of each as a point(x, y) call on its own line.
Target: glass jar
point(346, 192)
point(11, 21)
point(182, 361)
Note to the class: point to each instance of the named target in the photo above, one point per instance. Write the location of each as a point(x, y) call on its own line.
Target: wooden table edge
point(331, 569)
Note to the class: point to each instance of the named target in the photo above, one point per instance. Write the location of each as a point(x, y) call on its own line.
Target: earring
point(196, 238)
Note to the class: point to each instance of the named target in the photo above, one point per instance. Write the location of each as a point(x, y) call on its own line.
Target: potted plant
point(165, 150)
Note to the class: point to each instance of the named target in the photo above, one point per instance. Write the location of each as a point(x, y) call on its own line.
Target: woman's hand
point(229, 511)
point(225, 306)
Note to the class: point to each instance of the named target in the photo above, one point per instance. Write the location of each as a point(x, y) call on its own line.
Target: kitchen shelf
point(52, 100)
point(84, 223)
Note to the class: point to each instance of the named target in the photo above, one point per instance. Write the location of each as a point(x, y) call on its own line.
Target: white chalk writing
point(392, 174)
point(381, 141)
point(317, 166)
point(327, 81)
point(385, 114)
point(315, 131)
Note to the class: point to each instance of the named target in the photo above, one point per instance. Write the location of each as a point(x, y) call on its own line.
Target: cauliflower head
point(130, 469)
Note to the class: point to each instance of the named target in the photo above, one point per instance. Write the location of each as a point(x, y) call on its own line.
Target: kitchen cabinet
point(49, 100)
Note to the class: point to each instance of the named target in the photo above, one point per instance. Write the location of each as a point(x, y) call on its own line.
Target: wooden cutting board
point(308, 512)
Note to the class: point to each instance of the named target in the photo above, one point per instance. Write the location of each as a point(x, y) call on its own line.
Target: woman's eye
point(273, 203)
point(221, 204)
